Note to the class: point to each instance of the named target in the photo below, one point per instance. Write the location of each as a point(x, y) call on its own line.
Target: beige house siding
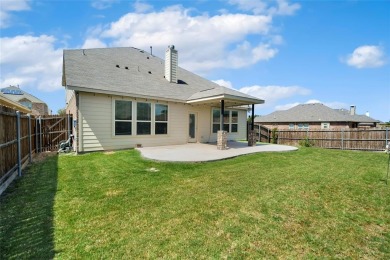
point(96, 124)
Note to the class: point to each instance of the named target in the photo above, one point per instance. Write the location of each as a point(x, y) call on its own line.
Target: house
point(125, 97)
point(32, 103)
point(6, 102)
point(315, 116)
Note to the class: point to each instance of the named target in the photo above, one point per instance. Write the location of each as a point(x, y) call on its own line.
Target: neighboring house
point(4, 101)
point(15, 94)
point(315, 116)
point(126, 97)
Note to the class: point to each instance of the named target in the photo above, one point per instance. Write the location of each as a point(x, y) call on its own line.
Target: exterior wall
point(71, 108)
point(96, 124)
point(39, 109)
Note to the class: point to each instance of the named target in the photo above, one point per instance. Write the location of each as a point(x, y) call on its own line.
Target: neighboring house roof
point(16, 94)
point(5, 101)
point(132, 72)
point(315, 112)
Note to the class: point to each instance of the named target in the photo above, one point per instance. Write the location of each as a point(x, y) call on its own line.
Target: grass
point(312, 203)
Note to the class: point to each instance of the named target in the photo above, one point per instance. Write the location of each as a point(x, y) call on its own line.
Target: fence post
point(18, 143)
point(342, 139)
point(29, 138)
point(387, 136)
point(40, 134)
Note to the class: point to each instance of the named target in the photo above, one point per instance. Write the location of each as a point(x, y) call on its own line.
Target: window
point(291, 126)
point(230, 120)
point(234, 122)
point(325, 125)
point(144, 116)
point(302, 126)
point(216, 120)
point(161, 119)
point(123, 117)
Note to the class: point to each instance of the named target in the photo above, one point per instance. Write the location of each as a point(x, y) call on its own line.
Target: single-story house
point(33, 104)
point(126, 97)
point(315, 116)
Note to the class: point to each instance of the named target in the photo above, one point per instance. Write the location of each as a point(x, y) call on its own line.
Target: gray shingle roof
point(313, 113)
point(139, 74)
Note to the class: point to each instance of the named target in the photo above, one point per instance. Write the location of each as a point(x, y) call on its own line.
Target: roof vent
point(149, 72)
point(117, 66)
point(127, 68)
point(171, 60)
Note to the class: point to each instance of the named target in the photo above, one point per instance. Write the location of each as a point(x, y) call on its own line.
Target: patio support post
point(252, 133)
point(221, 134)
point(253, 117)
point(221, 116)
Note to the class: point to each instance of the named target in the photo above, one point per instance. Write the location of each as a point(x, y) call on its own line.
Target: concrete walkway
point(199, 152)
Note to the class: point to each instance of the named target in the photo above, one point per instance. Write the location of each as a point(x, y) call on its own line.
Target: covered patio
point(202, 152)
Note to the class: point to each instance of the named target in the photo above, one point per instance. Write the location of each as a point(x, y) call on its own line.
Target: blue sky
point(286, 52)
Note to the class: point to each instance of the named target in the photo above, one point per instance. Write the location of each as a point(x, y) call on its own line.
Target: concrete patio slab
point(200, 152)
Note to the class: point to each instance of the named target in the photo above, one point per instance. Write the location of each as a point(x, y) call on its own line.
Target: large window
point(161, 119)
point(230, 120)
point(216, 120)
point(123, 117)
point(144, 116)
point(303, 126)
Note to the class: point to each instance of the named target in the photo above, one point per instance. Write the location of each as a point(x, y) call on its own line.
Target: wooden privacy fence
point(22, 136)
point(345, 139)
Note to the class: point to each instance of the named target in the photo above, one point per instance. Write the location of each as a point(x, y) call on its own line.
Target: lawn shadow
point(26, 213)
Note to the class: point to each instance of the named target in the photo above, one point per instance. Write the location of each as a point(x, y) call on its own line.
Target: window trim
point(134, 120)
point(144, 121)
point(159, 121)
point(122, 120)
point(229, 123)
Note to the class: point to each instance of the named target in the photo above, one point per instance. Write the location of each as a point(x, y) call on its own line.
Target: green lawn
point(312, 203)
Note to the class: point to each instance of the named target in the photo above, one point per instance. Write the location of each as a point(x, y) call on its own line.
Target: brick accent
point(252, 138)
point(222, 140)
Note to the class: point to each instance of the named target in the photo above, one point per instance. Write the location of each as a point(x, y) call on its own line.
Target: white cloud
point(93, 43)
point(223, 83)
point(6, 7)
point(272, 94)
point(31, 62)
point(204, 42)
point(367, 56)
point(103, 4)
point(141, 7)
point(277, 7)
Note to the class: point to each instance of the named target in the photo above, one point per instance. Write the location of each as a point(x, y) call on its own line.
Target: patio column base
point(252, 138)
point(222, 140)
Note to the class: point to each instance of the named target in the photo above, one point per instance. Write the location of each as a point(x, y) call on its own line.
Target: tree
point(250, 118)
point(61, 111)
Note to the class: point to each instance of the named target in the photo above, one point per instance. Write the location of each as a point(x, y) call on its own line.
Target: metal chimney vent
point(171, 61)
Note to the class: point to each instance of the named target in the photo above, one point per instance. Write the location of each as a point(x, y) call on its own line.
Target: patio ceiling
point(230, 101)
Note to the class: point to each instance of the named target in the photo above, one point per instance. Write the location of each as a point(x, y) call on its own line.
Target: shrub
point(275, 135)
point(306, 142)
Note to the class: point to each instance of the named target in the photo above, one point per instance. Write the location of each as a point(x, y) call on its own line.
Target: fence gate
point(263, 134)
point(51, 131)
